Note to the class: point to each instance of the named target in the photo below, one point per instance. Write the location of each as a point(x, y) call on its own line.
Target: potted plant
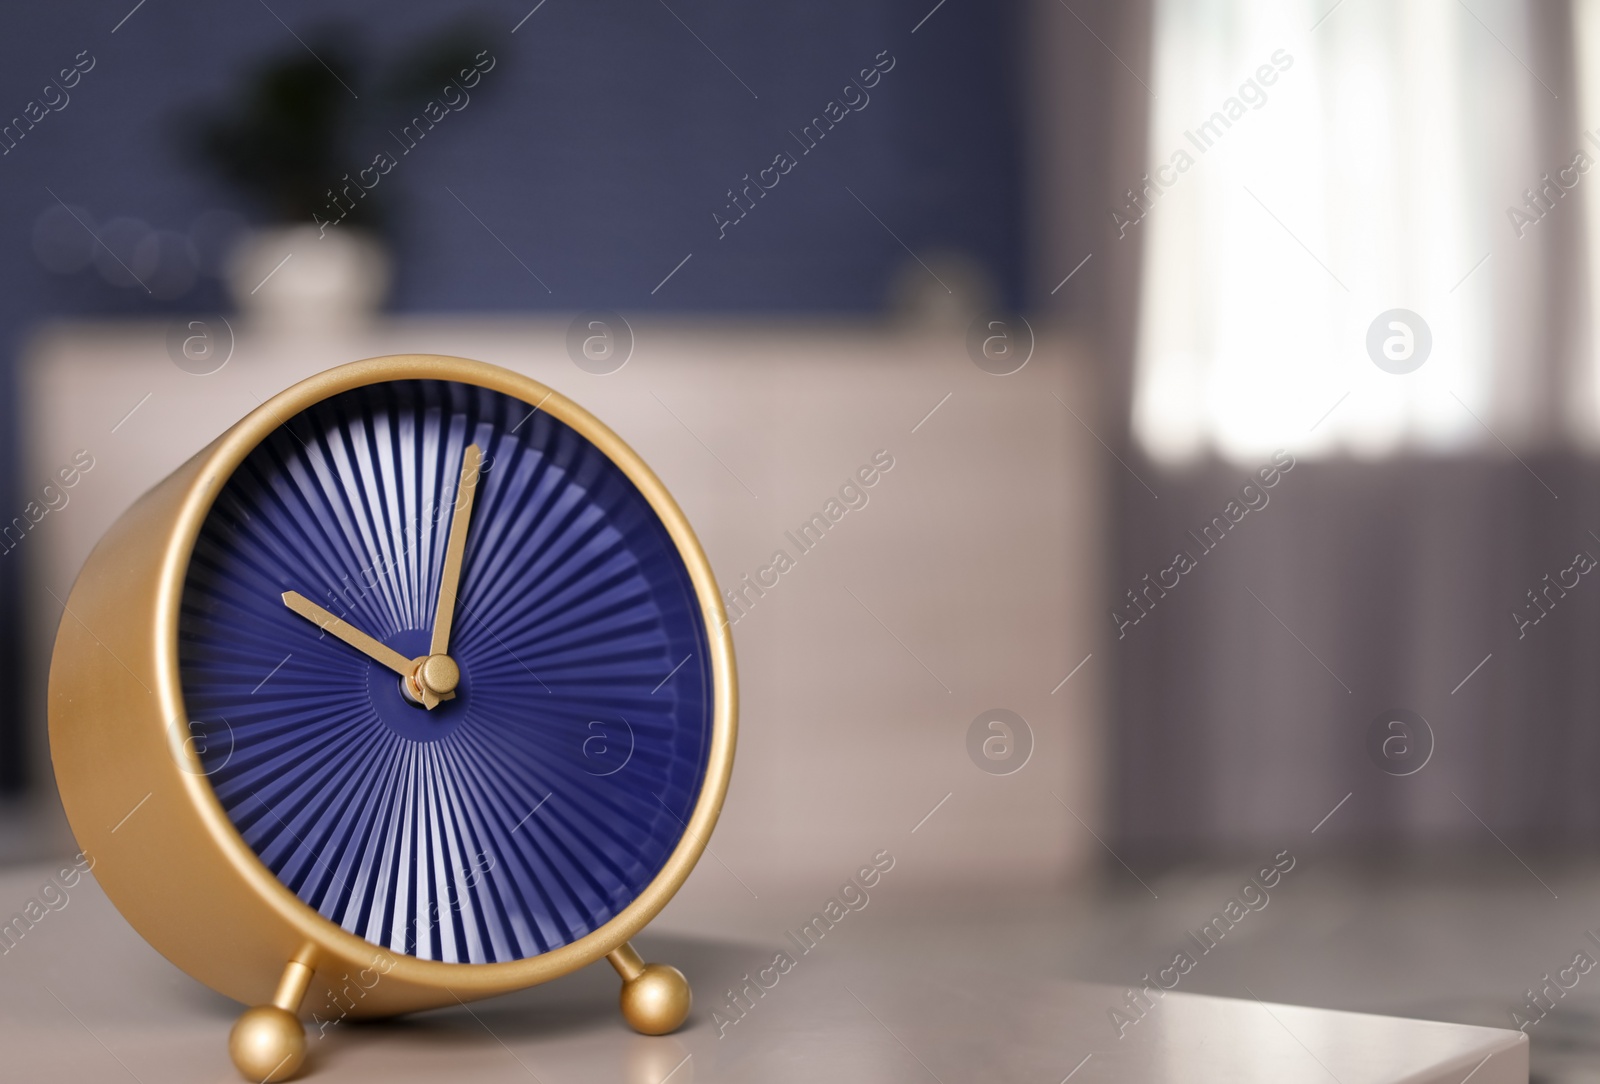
point(302, 141)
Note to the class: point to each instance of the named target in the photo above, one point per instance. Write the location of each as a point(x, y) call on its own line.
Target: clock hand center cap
point(439, 674)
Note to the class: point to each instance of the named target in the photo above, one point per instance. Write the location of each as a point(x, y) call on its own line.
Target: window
point(1315, 166)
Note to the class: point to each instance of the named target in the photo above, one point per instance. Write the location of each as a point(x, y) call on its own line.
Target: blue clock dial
point(539, 800)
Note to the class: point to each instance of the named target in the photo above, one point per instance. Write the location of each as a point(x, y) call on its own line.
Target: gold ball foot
point(656, 1000)
point(267, 1044)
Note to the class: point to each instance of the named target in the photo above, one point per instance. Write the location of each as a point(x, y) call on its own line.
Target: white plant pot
point(297, 278)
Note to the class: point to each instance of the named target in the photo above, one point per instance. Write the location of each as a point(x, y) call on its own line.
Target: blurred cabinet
point(966, 578)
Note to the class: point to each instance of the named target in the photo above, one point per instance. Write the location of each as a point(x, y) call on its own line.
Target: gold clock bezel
point(92, 737)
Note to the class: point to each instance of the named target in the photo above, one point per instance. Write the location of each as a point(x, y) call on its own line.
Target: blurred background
point(1236, 359)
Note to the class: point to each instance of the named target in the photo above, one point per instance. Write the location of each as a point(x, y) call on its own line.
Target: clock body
point(252, 790)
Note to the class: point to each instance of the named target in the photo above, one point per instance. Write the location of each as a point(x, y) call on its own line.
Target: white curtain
point(1366, 159)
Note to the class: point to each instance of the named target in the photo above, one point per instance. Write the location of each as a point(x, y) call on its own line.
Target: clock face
point(484, 797)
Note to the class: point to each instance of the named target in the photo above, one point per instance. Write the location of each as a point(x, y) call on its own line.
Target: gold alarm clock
point(411, 688)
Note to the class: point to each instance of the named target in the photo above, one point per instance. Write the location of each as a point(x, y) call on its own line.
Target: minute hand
point(450, 576)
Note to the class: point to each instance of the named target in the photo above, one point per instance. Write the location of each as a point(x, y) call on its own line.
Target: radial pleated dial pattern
point(539, 801)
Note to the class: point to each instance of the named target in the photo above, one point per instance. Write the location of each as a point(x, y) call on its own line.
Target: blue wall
point(597, 149)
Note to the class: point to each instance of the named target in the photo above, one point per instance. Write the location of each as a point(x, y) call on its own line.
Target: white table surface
point(83, 999)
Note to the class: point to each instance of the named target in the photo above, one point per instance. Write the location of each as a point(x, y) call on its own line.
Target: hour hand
point(347, 632)
point(429, 680)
